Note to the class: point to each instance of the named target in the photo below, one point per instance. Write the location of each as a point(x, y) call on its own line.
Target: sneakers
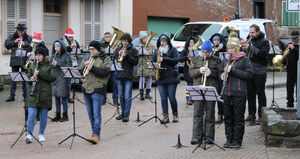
point(125, 118)
point(41, 138)
point(195, 141)
point(227, 144)
point(28, 139)
point(120, 117)
point(235, 145)
point(165, 119)
point(175, 118)
point(258, 121)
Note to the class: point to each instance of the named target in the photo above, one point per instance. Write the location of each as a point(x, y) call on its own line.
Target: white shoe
point(28, 139)
point(41, 138)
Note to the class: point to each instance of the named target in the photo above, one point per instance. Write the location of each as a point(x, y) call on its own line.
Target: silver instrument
point(35, 79)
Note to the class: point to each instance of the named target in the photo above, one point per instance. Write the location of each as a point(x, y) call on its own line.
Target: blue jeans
point(64, 102)
point(168, 91)
point(32, 112)
point(125, 94)
point(93, 107)
point(115, 86)
point(13, 85)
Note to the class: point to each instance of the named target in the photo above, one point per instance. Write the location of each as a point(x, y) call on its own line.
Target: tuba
point(86, 71)
point(115, 41)
point(152, 34)
point(278, 59)
point(199, 42)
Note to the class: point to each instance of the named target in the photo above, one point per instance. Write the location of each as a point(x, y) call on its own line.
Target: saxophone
point(35, 79)
point(157, 69)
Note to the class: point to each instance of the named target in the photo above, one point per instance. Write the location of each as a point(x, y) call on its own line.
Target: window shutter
point(10, 16)
point(97, 20)
point(92, 18)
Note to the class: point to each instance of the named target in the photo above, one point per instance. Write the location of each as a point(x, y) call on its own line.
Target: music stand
point(154, 66)
point(204, 93)
point(273, 103)
point(22, 77)
point(71, 72)
point(115, 67)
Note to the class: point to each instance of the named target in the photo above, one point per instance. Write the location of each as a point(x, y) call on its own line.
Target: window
point(52, 6)
point(194, 30)
point(289, 18)
point(91, 20)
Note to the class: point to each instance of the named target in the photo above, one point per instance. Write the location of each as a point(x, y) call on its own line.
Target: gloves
point(202, 69)
point(208, 72)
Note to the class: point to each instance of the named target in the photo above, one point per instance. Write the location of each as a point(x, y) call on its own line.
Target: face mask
point(164, 49)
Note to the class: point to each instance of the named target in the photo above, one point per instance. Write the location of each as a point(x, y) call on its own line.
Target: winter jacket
point(68, 44)
point(42, 93)
point(213, 64)
point(60, 88)
point(10, 44)
point(169, 72)
point(292, 60)
point(240, 72)
point(129, 61)
point(142, 67)
point(97, 78)
point(221, 47)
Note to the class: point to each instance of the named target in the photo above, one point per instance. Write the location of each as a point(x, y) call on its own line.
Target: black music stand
point(115, 67)
point(22, 77)
point(204, 93)
point(273, 103)
point(71, 72)
point(154, 66)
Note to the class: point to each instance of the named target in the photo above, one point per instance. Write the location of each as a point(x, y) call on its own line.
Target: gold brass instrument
point(199, 42)
point(120, 58)
point(203, 79)
point(26, 66)
point(157, 69)
point(86, 70)
point(152, 34)
point(115, 41)
point(249, 54)
point(278, 59)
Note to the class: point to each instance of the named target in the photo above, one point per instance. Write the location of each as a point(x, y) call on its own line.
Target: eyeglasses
point(216, 39)
point(91, 49)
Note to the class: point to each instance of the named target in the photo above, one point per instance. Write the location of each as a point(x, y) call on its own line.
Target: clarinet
point(35, 79)
point(226, 77)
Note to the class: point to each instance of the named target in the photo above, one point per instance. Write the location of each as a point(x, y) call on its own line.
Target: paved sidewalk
point(128, 141)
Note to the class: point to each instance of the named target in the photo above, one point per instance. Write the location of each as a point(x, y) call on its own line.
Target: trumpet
point(35, 79)
point(249, 54)
point(86, 70)
point(20, 41)
point(120, 58)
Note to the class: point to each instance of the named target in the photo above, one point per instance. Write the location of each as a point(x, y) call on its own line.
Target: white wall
point(36, 17)
point(126, 9)
point(110, 15)
point(75, 18)
point(4, 59)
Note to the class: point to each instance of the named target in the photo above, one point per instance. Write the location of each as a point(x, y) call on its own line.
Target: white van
point(207, 29)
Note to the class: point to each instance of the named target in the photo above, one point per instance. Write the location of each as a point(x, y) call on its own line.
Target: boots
point(142, 94)
point(148, 94)
point(252, 120)
point(175, 117)
point(56, 118)
point(165, 118)
point(220, 119)
point(65, 117)
point(10, 98)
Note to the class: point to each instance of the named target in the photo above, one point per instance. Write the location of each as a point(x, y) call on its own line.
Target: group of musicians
point(236, 68)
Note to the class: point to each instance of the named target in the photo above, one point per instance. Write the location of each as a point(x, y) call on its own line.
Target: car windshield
point(205, 30)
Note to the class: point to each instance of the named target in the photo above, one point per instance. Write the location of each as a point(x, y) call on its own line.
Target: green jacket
point(42, 93)
point(97, 78)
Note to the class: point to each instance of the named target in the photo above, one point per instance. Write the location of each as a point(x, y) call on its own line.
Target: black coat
point(240, 72)
point(259, 49)
point(292, 59)
point(183, 57)
point(10, 44)
point(221, 47)
point(129, 61)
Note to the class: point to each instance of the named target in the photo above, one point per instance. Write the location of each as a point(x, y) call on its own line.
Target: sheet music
point(116, 67)
point(21, 53)
point(15, 76)
point(210, 93)
point(107, 50)
point(75, 72)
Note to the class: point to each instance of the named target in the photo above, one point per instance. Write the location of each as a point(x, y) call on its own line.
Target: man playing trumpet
point(94, 87)
point(197, 71)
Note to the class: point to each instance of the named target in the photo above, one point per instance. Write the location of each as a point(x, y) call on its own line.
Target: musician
point(36, 40)
point(129, 56)
point(73, 47)
point(41, 98)
point(218, 50)
point(291, 62)
point(106, 40)
point(239, 70)
point(257, 50)
point(95, 85)
point(19, 44)
point(186, 57)
point(143, 72)
point(167, 55)
point(60, 88)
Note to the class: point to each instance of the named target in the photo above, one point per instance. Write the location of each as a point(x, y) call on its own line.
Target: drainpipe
point(239, 8)
point(298, 89)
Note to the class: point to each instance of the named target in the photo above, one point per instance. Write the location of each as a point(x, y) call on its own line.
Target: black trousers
point(256, 86)
point(291, 81)
point(234, 110)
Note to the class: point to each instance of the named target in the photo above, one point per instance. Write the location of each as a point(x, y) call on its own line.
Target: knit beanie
point(206, 46)
point(96, 45)
point(234, 41)
point(143, 34)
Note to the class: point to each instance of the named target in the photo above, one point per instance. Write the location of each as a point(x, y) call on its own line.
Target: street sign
point(293, 6)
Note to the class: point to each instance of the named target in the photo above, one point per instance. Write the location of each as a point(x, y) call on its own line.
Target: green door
point(161, 25)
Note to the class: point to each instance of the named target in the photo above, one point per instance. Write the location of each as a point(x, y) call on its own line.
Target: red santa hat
point(37, 37)
point(69, 32)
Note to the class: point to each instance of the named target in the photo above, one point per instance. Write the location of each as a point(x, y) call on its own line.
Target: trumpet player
point(127, 56)
point(198, 71)
point(291, 66)
point(218, 50)
point(43, 74)
point(257, 49)
point(186, 57)
point(167, 56)
point(95, 85)
point(236, 69)
point(60, 87)
point(18, 39)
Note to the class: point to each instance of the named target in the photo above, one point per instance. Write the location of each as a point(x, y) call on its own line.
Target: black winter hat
point(42, 49)
point(21, 27)
point(96, 45)
point(294, 34)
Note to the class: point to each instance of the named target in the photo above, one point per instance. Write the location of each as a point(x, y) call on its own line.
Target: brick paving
point(128, 141)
